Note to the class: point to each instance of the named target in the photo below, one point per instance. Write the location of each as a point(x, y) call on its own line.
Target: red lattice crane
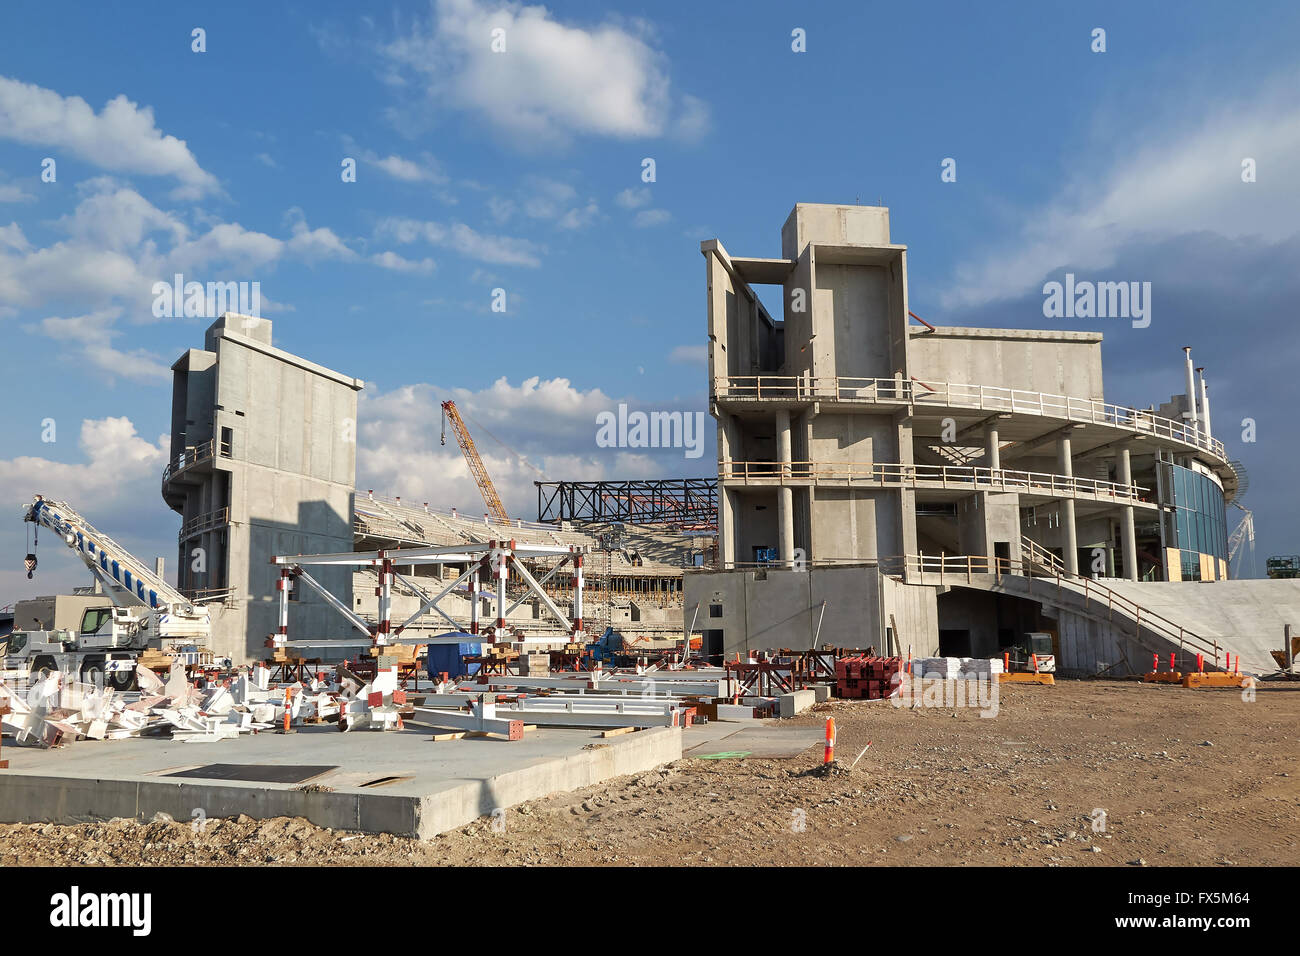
point(476, 467)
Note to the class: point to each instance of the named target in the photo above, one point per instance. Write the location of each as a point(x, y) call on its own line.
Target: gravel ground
point(1081, 774)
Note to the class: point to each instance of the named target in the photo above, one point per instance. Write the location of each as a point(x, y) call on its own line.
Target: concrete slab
point(765, 740)
point(399, 782)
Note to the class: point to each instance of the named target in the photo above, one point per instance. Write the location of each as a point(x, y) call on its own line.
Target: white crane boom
point(122, 574)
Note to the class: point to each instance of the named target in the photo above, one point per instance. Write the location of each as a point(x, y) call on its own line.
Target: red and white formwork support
point(577, 596)
point(284, 586)
point(498, 557)
point(473, 599)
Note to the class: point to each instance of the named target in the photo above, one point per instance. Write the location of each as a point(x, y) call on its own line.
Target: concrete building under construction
point(890, 483)
point(263, 463)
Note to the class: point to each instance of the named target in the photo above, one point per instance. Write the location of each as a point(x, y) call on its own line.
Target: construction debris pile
point(54, 710)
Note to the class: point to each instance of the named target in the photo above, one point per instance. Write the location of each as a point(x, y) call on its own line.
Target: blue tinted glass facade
point(1200, 524)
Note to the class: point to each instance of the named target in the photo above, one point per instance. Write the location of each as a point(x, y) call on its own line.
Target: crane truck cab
point(98, 642)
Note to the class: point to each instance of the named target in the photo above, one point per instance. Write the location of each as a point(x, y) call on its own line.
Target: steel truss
point(691, 501)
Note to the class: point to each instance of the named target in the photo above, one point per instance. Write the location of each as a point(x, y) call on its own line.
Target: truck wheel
point(43, 667)
point(122, 680)
point(92, 672)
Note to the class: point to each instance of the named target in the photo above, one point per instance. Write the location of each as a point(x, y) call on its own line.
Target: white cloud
point(549, 422)
point(580, 217)
point(122, 137)
point(118, 245)
point(689, 354)
point(651, 217)
point(115, 487)
point(544, 199)
point(90, 337)
point(118, 218)
point(12, 193)
point(396, 263)
point(409, 171)
point(313, 244)
point(633, 198)
point(1183, 180)
point(554, 80)
point(460, 238)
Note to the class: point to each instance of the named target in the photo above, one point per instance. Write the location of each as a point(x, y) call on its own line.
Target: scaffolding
point(492, 561)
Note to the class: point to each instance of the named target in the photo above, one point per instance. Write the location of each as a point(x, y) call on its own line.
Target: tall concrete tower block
point(263, 462)
point(777, 390)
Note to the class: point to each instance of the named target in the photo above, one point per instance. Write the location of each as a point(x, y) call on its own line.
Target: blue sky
point(522, 171)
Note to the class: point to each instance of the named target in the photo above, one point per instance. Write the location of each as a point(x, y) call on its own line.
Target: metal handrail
point(963, 477)
point(200, 523)
point(1040, 555)
point(969, 565)
point(992, 398)
point(193, 454)
point(210, 595)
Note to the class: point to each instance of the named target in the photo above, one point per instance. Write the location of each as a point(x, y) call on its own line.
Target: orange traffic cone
point(829, 755)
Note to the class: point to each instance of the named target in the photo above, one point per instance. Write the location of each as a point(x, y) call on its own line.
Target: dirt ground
point(1080, 774)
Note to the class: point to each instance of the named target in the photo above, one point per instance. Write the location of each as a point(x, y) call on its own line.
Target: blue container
point(446, 658)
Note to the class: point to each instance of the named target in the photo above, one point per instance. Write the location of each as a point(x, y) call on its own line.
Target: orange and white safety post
point(288, 699)
point(830, 741)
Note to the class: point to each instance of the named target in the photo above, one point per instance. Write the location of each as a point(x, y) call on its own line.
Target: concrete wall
point(285, 467)
point(856, 523)
point(850, 310)
point(835, 225)
point(757, 524)
point(986, 518)
point(1057, 363)
point(783, 609)
point(743, 340)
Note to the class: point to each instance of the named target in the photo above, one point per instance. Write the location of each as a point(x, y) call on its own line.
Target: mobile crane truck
point(147, 613)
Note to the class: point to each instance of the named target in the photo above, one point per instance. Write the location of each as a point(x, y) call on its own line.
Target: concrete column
point(1127, 536)
point(1070, 534)
point(726, 507)
point(726, 528)
point(993, 452)
point(784, 494)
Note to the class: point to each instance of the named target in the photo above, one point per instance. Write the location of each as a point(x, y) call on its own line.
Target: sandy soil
point(1183, 777)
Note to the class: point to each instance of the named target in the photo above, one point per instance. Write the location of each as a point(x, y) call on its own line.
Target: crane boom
point(122, 573)
point(476, 467)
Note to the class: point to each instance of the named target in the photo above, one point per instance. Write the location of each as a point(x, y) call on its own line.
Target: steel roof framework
point(654, 501)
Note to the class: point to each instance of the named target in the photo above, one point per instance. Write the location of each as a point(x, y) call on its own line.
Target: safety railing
point(957, 477)
point(193, 454)
point(990, 398)
point(1037, 554)
point(956, 568)
point(200, 523)
point(211, 595)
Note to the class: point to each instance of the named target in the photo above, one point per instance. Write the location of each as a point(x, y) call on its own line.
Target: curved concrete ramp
point(1246, 617)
